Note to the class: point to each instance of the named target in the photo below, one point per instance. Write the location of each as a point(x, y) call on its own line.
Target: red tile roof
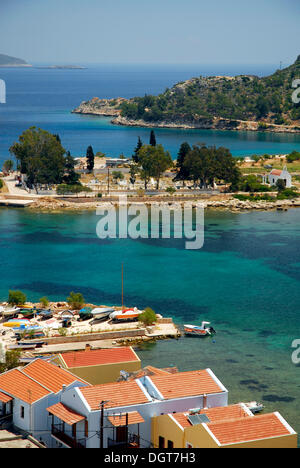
point(117, 394)
point(66, 414)
point(49, 375)
point(5, 398)
point(120, 420)
point(184, 384)
point(276, 172)
point(220, 413)
point(248, 429)
point(20, 386)
point(99, 357)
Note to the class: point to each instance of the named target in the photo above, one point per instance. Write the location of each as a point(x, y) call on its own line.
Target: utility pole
point(108, 181)
point(102, 421)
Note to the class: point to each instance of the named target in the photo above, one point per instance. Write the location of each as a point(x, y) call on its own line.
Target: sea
point(245, 280)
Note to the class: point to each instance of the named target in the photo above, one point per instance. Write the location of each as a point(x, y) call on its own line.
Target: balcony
point(132, 442)
point(58, 433)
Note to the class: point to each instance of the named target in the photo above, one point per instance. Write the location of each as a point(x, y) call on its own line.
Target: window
point(161, 442)
point(170, 444)
point(22, 412)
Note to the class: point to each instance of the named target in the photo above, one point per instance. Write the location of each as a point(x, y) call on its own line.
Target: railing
point(57, 431)
point(133, 442)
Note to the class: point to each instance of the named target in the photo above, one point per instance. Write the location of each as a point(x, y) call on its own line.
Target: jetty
point(15, 203)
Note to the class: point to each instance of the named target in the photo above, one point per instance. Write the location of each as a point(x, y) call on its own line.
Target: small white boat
point(255, 407)
point(102, 312)
point(196, 330)
point(6, 311)
point(125, 315)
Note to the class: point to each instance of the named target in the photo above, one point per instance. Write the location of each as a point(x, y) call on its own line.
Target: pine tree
point(135, 156)
point(182, 173)
point(152, 138)
point(90, 159)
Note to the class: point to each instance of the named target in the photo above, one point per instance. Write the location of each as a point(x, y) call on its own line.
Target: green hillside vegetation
point(6, 60)
point(265, 100)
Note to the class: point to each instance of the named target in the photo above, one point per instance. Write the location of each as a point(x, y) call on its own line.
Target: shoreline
point(110, 108)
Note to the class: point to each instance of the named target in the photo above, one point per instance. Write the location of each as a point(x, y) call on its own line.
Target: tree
point(16, 298)
point(90, 159)
point(76, 301)
point(148, 317)
point(44, 301)
point(280, 184)
point(12, 360)
point(8, 166)
point(152, 138)
point(40, 156)
point(135, 156)
point(117, 175)
point(182, 172)
point(133, 173)
point(154, 161)
point(70, 177)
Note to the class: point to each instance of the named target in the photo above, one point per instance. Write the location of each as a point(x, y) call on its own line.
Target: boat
point(85, 313)
point(28, 329)
point(102, 312)
point(37, 343)
point(24, 347)
point(9, 311)
point(16, 323)
point(201, 331)
point(125, 314)
point(45, 314)
point(255, 407)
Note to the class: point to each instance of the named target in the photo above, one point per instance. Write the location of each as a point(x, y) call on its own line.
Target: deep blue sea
point(245, 280)
point(44, 98)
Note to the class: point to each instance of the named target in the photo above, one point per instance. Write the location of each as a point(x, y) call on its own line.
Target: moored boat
point(102, 312)
point(125, 315)
point(16, 323)
point(201, 331)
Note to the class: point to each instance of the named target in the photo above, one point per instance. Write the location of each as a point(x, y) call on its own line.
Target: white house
point(111, 415)
point(277, 174)
point(25, 394)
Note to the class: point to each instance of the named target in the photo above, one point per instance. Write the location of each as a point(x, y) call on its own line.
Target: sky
point(155, 31)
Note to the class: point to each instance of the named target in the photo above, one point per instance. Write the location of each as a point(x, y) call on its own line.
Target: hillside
point(8, 61)
point(236, 103)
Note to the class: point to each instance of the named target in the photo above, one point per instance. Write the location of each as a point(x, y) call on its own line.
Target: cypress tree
point(182, 173)
point(90, 158)
point(152, 138)
point(135, 156)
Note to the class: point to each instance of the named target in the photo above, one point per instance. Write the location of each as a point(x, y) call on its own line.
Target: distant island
point(63, 67)
point(244, 102)
point(8, 61)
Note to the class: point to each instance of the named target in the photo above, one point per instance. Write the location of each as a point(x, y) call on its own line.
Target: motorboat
point(9, 311)
point(16, 323)
point(102, 312)
point(125, 314)
point(255, 407)
point(201, 331)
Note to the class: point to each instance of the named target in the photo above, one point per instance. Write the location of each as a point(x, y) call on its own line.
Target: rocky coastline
point(229, 204)
point(111, 108)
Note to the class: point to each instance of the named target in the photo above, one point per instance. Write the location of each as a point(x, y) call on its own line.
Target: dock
point(15, 203)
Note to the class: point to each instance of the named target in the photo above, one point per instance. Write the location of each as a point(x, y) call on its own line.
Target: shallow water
point(245, 281)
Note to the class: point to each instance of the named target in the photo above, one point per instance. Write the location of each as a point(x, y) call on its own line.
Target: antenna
point(122, 287)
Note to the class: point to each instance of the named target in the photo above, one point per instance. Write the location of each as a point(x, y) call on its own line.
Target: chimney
point(87, 347)
point(64, 388)
point(205, 401)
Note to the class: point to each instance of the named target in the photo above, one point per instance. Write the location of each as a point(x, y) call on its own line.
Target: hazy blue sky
point(155, 31)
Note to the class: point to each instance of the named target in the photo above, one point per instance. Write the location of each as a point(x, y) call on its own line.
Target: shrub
point(62, 331)
point(76, 301)
point(44, 302)
point(170, 190)
point(99, 195)
point(16, 298)
point(1, 184)
point(148, 317)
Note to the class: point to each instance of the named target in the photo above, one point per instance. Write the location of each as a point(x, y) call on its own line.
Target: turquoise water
point(44, 98)
point(245, 281)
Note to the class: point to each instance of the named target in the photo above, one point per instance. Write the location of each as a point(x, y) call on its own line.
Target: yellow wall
point(164, 426)
point(199, 437)
point(104, 373)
